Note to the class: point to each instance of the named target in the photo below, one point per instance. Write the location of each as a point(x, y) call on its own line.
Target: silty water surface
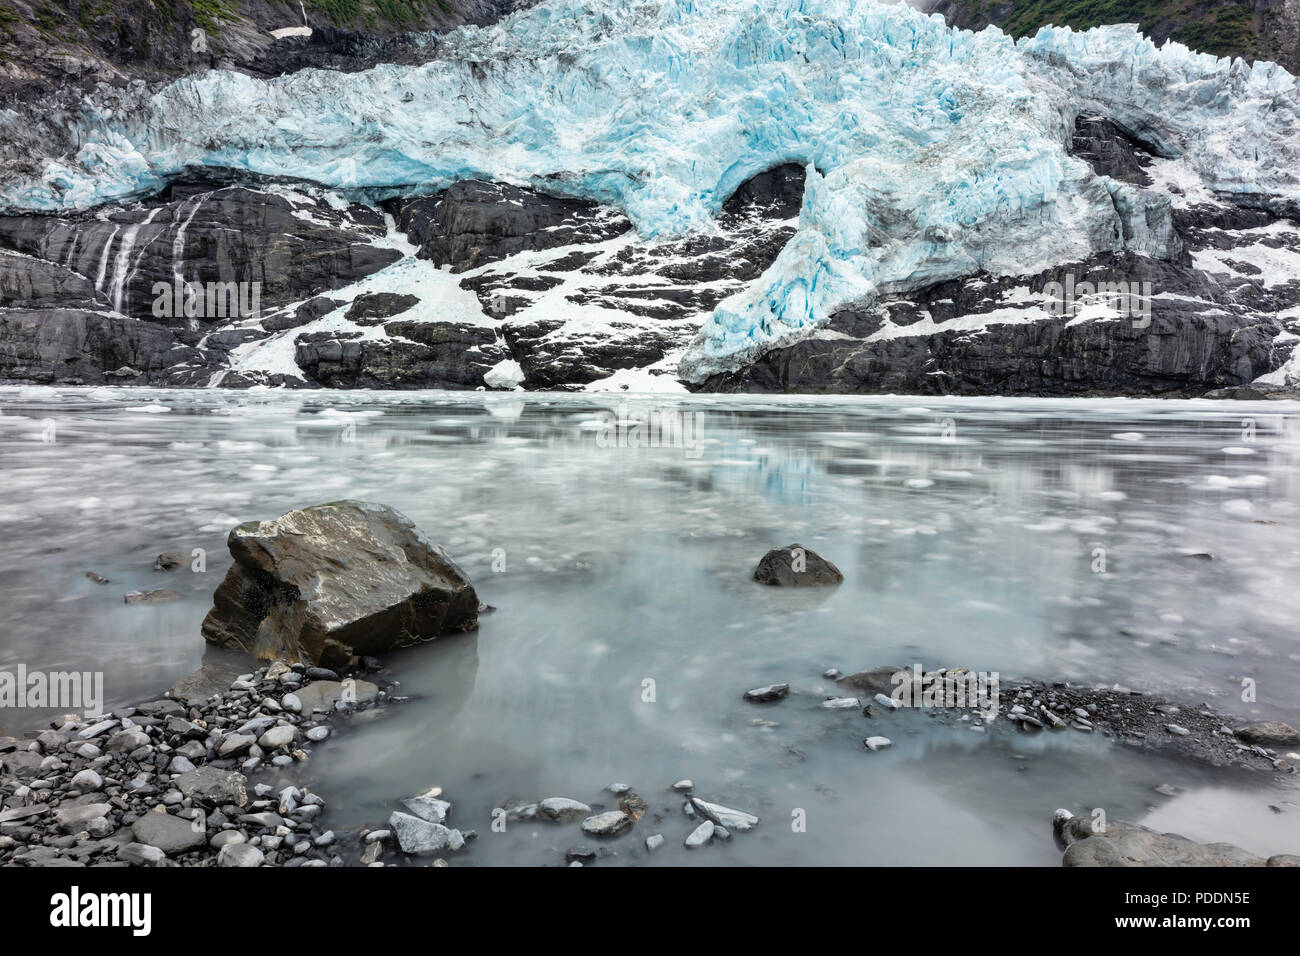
point(1060, 540)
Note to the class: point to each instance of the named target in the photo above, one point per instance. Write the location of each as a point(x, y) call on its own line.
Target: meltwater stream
point(1061, 540)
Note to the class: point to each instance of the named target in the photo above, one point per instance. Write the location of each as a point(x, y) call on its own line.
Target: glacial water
point(1147, 543)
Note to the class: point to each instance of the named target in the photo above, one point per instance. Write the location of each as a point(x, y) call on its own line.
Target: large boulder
point(334, 580)
point(1269, 733)
point(1121, 843)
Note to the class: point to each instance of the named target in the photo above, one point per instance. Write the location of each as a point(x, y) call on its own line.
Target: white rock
point(701, 835)
point(725, 816)
point(606, 824)
point(841, 703)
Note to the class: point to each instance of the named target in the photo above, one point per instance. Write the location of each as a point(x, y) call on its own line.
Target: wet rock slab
point(326, 583)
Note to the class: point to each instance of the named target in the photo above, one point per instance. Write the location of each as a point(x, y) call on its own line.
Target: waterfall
point(135, 266)
point(103, 259)
point(72, 248)
point(123, 268)
point(178, 243)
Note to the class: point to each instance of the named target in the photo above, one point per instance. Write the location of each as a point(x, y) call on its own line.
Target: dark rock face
point(35, 283)
point(775, 193)
point(878, 680)
point(419, 355)
point(1198, 337)
point(195, 235)
point(309, 311)
point(655, 293)
point(337, 580)
point(77, 46)
point(795, 566)
point(1110, 150)
point(474, 223)
point(73, 346)
point(373, 307)
point(73, 288)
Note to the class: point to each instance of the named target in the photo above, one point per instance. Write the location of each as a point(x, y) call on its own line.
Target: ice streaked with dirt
point(968, 532)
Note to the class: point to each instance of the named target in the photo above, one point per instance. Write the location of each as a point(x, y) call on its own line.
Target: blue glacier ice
point(932, 153)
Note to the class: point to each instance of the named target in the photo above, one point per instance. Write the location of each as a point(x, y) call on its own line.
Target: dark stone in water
point(348, 573)
point(1269, 733)
point(796, 566)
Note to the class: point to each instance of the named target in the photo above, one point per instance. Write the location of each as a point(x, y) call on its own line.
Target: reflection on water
point(1147, 543)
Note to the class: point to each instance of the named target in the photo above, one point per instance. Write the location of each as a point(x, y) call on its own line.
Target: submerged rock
point(606, 824)
point(158, 596)
point(1269, 733)
point(796, 566)
point(879, 680)
point(767, 693)
point(1121, 843)
point(561, 809)
point(328, 582)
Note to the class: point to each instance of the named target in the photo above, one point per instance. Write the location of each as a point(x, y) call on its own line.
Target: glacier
point(931, 153)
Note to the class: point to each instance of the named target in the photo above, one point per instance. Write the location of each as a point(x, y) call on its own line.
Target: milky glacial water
point(1060, 540)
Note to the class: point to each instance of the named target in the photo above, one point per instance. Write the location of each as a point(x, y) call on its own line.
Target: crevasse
point(932, 153)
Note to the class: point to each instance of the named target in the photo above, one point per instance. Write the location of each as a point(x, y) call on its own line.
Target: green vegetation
point(1027, 16)
point(1224, 29)
point(211, 14)
point(49, 19)
point(89, 13)
point(1227, 31)
point(367, 12)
